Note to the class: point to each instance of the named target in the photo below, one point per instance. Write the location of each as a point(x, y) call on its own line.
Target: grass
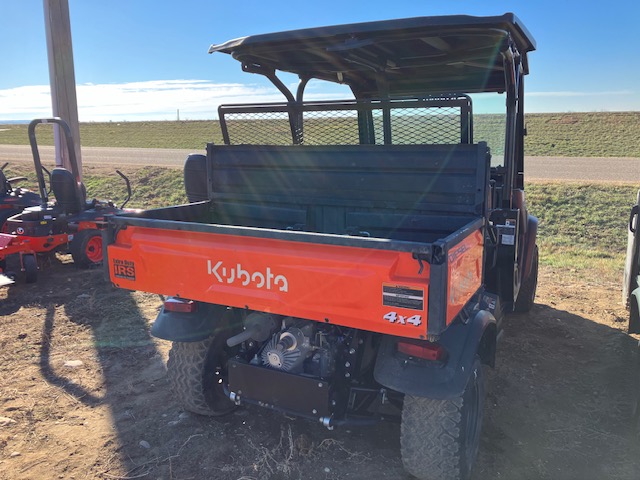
point(599, 134)
point(582, 227)
point(152, 187)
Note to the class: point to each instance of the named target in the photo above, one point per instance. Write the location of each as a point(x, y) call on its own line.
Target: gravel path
point(611, 169)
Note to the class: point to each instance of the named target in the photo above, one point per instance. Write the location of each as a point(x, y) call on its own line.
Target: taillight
point(423, 350)
point(180, 305)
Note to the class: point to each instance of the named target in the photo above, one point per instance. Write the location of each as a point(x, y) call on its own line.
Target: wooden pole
point(62, 77)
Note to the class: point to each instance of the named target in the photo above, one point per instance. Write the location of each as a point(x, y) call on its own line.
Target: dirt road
point(613, 169)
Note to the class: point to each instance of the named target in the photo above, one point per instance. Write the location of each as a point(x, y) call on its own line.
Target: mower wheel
point(439, 439)
point(197, 372)
point(527, 293)
point(30, 264)
point(86, 248)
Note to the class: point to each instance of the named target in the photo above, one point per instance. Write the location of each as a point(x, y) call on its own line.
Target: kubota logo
point(230, 276)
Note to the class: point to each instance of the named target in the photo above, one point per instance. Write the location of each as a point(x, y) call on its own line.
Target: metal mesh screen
point(337, 123)
point(331, 128)
point(432, 125)
point(259, 128)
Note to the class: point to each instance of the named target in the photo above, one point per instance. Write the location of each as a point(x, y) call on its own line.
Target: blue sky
point(142, 59)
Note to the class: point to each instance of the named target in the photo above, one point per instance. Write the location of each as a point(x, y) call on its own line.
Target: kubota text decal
point(232, 275)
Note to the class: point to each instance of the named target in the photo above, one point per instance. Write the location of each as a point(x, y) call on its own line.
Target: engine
point(291, 345)
point(289, 349)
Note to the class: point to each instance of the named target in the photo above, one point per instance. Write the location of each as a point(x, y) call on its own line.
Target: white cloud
point(32, 99)
point(160, 100)
point(578, 94)
point(582, 101)
point(151, 100)
point(199, 99)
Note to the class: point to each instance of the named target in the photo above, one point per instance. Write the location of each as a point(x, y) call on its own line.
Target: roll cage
point(417, 58)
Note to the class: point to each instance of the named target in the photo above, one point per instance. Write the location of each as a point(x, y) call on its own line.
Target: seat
point(70, 196)
point(4, 185)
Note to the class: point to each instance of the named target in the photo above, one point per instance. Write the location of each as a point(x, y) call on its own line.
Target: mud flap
point(189, 327)
point(439, 380)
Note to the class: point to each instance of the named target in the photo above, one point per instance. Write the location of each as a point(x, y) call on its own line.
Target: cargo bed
point(348, 235)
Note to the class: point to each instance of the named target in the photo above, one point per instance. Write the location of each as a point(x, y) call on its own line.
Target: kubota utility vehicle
point(348, 259)
point(71, 222)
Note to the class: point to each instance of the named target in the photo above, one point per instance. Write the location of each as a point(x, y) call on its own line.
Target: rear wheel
point(527, 293)
point(30, 264)
point(86, 248)
point(439, 438)
point(634, 316)
point(198, 372)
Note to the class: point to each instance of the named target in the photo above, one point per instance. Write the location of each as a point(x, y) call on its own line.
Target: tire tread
point(432, 435)
point(185, 368)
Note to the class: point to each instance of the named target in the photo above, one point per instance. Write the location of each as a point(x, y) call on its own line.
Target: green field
point(599, 134)
point(582, 227)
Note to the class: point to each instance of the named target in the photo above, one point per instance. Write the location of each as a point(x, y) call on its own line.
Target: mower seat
point(4, 188)
point(64, 188)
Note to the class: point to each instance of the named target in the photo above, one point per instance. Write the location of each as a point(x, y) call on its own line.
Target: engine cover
point(279, 390)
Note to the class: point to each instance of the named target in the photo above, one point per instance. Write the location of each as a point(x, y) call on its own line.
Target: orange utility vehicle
point(345, 260)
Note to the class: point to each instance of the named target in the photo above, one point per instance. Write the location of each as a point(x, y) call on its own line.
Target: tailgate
point(363, 283)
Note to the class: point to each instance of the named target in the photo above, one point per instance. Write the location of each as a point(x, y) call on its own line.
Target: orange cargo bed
point(366, 283)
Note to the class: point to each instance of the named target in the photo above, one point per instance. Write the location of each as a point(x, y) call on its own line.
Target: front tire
point(198, 372)
point(439, 438)
point(30, 265)
point(86, 248)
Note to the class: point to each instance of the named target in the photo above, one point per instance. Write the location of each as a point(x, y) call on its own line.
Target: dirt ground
point(84, 394)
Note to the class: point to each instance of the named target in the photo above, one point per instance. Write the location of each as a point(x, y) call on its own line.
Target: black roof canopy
point(401, 57)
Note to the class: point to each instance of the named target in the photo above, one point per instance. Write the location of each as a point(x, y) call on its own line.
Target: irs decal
point(125, 269)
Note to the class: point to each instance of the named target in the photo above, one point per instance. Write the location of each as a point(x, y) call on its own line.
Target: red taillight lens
point(424, 350)
point(180, 305)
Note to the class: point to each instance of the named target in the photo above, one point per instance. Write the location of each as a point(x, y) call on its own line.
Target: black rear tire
point(30, 264)
point(198, 372)
point(439, 439)
point(86, 248)
point(527, 293)
point(634, 316)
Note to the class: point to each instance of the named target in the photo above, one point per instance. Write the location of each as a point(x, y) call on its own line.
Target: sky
point(145, 60)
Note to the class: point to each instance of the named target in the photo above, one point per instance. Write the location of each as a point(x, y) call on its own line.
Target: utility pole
point(62, 77)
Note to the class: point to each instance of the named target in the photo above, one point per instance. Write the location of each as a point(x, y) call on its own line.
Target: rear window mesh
point(441, 120)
